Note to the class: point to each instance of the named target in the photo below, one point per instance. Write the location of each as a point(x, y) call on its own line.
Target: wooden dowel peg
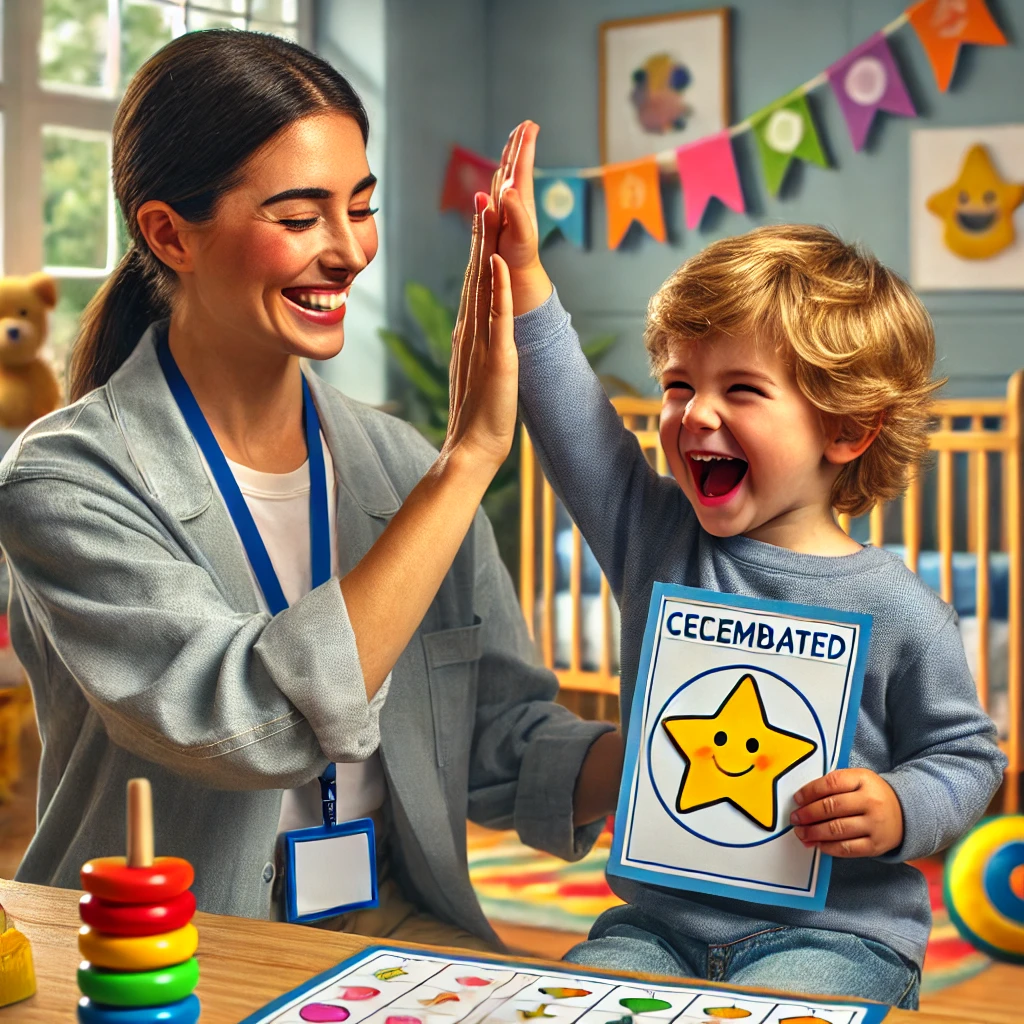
point(140, 823)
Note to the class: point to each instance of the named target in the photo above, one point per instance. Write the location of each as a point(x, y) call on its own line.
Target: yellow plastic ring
point(137, 953)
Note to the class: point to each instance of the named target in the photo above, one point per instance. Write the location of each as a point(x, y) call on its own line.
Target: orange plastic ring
point(110, 878)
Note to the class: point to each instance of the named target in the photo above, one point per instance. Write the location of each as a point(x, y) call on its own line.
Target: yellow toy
point(28, 387)
point(978, 208)
point(17, 978)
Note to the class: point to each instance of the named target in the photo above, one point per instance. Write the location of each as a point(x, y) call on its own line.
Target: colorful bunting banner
point(632, 192)
point(944, 25)
point(707, 170)
point(467, 174)
point(562, 204)
point(785, 131)
point(865, 81)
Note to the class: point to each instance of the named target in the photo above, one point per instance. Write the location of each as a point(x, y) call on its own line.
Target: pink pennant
point(707, 170)
point(865, 81)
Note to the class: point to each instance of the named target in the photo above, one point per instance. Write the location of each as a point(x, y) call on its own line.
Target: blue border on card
point(631, 767)
point(305, 835)
point(874, 1013)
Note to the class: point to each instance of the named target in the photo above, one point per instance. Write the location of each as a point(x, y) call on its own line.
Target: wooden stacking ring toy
point(186, 1011)
point(137, 918)
point(137, 938)
point(113, 879)
point(139, 988)
point(984, 887)
point(137, 952)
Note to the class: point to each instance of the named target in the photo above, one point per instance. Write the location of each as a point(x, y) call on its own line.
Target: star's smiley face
point(977, 208)
point(735, 755)
point(729, 751)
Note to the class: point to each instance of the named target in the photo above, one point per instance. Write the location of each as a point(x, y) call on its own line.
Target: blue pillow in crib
point(965, 579)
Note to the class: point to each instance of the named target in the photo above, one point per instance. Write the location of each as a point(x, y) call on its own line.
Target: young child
point(796, 379)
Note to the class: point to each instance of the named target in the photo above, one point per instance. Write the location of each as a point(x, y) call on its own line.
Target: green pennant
point(784, 131)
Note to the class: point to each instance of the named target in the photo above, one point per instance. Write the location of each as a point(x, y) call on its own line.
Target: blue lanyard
point(255, 549)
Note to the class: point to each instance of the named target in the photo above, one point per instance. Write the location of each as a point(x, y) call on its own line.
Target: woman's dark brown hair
point(189, 120)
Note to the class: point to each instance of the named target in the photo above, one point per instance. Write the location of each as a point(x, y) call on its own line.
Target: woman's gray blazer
point(135, 615)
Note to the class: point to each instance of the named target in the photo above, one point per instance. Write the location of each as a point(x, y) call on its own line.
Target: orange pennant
point(632, 192)
point(943, 25)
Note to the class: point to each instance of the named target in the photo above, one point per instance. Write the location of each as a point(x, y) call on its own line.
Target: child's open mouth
point(318, 305)
point(716, 477)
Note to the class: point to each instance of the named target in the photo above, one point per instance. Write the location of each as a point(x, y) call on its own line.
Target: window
point(64, 67)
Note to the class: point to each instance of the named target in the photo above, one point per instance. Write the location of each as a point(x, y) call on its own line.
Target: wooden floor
point(983, 999)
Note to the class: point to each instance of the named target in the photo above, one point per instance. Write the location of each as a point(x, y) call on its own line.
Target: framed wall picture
point(664, 81)
point(967, 208)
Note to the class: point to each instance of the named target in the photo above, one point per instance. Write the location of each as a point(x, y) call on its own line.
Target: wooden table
point(244, 964)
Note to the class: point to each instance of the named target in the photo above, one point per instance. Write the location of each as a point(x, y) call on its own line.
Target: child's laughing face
point(748, 449)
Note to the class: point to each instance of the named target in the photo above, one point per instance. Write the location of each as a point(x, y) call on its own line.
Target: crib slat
point(605, 668)
point(547, 623)
point(527, 531)
point(575, 602)
point(1015, 547)
point(977, 426)
point(945, 512)
point(877, 525)
point(912, 523)
point(979, 464)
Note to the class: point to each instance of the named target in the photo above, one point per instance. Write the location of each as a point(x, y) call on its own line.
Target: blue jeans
point(809, 960)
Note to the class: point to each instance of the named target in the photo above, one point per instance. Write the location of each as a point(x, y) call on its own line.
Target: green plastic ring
point(138, 988)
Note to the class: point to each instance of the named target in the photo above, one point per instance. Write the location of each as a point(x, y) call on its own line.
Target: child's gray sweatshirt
point(920, 725)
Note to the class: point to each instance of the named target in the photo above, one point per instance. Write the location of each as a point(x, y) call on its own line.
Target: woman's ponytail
point(113, 322)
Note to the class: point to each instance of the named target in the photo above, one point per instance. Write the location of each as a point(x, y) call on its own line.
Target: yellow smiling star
point(736, 756)
point(977, 208)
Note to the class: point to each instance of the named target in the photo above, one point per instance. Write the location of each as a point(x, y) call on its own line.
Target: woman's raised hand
point(484, 369)
point(512, 196)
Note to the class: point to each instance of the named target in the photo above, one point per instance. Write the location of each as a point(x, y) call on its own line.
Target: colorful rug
point(521, 886)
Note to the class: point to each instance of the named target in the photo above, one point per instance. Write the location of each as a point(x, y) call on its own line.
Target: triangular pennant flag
point(467, 174)
point(867, 80)
point(943, 25)
point(707, 170)
point(784, 131)
point(562, 204)
point(632, 192)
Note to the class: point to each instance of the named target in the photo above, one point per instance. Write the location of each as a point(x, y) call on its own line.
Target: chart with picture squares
point(391, 986)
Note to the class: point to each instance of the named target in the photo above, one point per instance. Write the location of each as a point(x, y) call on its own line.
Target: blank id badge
point(330, 869)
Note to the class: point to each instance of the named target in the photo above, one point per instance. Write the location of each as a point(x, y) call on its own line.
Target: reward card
point(739, 703)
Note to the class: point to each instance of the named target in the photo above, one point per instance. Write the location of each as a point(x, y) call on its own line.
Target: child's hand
point(852, 812)
point(512, 196)
point(483, 375)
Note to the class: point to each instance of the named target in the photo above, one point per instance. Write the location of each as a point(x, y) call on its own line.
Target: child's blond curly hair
point(860, 342)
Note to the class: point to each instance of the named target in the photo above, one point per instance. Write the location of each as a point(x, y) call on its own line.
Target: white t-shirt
point(279, 505)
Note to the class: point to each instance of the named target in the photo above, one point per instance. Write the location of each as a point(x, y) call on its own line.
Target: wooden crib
point(967, 500)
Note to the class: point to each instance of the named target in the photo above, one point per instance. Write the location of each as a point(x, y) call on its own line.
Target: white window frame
point(26, 107)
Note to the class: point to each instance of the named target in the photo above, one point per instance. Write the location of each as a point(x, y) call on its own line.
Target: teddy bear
point(28, 387)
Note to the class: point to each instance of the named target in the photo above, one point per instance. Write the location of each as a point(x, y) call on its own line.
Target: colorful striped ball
point(984, 887)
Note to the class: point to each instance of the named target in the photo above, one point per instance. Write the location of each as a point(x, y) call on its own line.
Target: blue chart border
point(634, 758)
point(874, 1012)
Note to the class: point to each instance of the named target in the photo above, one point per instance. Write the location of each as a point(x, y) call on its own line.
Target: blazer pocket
point(453, 659)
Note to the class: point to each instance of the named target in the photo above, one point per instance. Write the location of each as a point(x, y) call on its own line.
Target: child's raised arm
point(594, 463)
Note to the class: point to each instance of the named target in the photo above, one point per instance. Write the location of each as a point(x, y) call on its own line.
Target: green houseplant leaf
point(430, 380)
point(433, 318)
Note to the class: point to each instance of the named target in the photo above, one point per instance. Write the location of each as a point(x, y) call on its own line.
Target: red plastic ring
point(137, 919)
point(111, 879)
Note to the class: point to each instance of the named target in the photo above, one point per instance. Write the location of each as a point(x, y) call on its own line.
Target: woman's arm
point(389, 591)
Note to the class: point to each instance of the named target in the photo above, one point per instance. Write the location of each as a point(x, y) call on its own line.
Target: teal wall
point(467, 70)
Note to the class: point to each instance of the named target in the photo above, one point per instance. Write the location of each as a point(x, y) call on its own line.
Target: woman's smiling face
point(277, 261)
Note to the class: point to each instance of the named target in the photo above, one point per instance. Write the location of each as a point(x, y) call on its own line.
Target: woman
point(163, 639)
